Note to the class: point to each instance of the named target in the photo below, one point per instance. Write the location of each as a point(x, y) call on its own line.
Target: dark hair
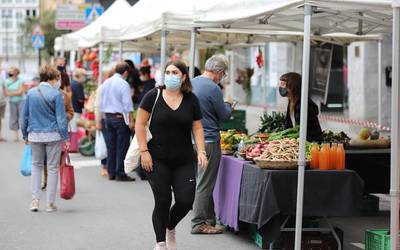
point(64, 80)
point(293, 83)
point(121, 67)
point(186, 86)
point(48, 73)
point(145, 70)
point(130, 63)
point(197, 71)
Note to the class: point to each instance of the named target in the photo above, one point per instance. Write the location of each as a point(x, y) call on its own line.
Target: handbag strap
point(66, 159)
point(151, 115)
point(45, 101)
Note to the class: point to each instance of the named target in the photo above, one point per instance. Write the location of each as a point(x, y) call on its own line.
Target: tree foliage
point(47, 24)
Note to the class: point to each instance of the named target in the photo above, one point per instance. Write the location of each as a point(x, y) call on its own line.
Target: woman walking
point(14, 88)
point(168, 158)
point(45, 127)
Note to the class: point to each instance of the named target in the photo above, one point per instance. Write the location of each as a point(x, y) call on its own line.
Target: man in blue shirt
point(214, 111)
point(116, 104)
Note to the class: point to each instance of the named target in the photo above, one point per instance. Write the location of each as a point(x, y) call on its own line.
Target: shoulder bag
point(132, 158)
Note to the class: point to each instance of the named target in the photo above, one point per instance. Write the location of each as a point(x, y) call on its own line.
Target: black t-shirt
point(172, 130)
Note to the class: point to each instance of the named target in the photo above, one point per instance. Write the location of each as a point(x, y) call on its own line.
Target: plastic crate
point(377, 239)
point(257, 237)
point(236, 121)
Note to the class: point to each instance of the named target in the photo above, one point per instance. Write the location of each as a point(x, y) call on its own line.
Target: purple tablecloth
point(227, 191)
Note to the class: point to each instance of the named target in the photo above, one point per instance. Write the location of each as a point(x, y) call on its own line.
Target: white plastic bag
point(100, 147)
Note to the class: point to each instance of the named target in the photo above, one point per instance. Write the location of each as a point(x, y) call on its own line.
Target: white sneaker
point(34, 205)
point(51, 208)
point(161, 246)
point(171, 240)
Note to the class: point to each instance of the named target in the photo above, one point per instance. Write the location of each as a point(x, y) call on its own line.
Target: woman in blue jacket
point(45, 127)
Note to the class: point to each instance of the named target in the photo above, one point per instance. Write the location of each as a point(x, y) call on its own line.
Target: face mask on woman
point(57, 85)
point(172, 82)
point(283, 91)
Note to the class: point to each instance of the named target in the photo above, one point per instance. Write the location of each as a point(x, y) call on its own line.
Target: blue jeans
point(117, 139)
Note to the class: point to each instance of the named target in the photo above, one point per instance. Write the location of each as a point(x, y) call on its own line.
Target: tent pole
point(163, 54)
point(303, 124)
point(380, 82)
point(62, 51)
point(192, 56)
point(101, 55)
point(395, 136)
point(121, 48)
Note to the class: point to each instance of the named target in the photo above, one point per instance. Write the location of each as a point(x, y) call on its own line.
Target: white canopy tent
point(356, 17)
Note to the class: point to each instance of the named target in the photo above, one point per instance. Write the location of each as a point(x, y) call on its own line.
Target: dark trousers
point(179, 177)
point(117, 139)
point(104, 131)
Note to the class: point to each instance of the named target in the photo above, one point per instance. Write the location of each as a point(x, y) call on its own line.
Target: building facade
point(13, 14)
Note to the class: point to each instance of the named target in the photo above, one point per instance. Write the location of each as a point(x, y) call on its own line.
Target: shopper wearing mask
point(168, 157)
point(3, 104)
point(290, 87)
point(14, 88)
point(214, 111)
point(115, 103)
point(78, 97)
point(65, 87)
point(44, 127)
point(146, 84)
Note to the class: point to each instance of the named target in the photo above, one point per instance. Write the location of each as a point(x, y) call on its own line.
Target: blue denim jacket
point(38, 117)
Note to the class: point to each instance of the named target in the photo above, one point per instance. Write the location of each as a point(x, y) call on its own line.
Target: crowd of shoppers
point(182, 114)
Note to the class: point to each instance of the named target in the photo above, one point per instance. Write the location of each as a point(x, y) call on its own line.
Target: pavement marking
point(85, 163)
point(359, 245)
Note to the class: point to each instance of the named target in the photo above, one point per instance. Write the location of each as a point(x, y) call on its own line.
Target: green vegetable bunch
point(272, 123)
point(291, 133)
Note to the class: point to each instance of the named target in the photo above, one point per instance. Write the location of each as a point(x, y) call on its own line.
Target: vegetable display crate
point(377, 239)
point(257, 237)
point(236, 121)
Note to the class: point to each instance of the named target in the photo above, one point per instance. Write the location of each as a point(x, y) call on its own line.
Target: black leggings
point(181, 177)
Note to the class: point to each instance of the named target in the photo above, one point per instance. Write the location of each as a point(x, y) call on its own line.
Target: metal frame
point(395, 135)
point(312, 229)
point(303, 123)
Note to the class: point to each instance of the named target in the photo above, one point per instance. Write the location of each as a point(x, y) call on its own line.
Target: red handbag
point(67, 178)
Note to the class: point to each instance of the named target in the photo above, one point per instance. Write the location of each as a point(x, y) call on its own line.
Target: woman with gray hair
point(14, 88)
point(214, 111)
point(45, 127)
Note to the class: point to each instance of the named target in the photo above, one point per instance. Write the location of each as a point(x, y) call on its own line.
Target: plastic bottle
point(341, 155)
point(324, 157)
point(314, 156)
point(333, 156)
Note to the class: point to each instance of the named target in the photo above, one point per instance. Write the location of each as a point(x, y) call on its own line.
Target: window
point(8, 46)
point(6, 18)
point(34, 13)
point(28, 13)
point(18, 1)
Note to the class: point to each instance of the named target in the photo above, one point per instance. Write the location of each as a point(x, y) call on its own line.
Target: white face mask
point(143, 78)
point(57, 85)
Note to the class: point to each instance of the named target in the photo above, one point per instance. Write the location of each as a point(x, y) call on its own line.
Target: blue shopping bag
point(26, 164)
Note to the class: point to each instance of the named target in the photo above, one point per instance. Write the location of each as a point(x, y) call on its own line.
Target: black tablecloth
point(265, 193)
point(373, 166)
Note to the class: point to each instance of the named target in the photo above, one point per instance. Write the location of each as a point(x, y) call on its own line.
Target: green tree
point(47, 24)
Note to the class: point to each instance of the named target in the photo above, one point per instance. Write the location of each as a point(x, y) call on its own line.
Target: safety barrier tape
point(365, 124)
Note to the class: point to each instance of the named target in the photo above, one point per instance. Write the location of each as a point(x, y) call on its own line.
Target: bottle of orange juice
point(324, 156)
point(314, 156)
point(333, 156)
point(341, 157)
